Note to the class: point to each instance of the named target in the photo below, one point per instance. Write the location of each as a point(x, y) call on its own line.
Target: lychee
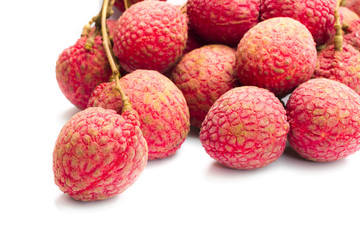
point(324, 120)
point(161, 106)
point(223, 21)
point(347, 17)
point(79, 70)
point(120, 3)
point(353, 39)
point(277, 54)
point(316, 15)
point(353, 5)
point(99, 154)
point(150, 35)
point(246, 128)
point(203, 75)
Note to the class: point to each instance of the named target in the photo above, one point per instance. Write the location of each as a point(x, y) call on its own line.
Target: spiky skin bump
point(99, 154)
point(342, 66)
point(246, 128)
point(353, 39)
point(79, 71)
point(223, 21)
point(353, 5)
point(203, 75)
point(150, 35)
point(347, 17)
point(324, 120)
point(316, 15)
point(161, 106)
point(120, 3)
point(277, 54)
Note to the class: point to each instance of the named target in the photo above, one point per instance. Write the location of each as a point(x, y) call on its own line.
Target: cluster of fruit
point(221, 66)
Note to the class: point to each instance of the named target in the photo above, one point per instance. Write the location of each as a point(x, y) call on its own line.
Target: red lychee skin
point(150, 35)
point(203, 75)
point(99, 154)
point(277, 54)
point(79, 71)
point(353, 5)
point(223, 21)
point(245, 128)
point(342, 66)
point(120, 3)
point(111, 26)
point(353, 39)
point(347, 17)
point(316, 15)
point(161, 106)
point(324, 120)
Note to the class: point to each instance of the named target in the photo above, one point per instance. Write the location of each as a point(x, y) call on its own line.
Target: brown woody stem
point(338, 39)
point(114, 68)
point(127, 4)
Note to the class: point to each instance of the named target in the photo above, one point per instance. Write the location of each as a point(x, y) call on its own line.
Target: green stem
point(338, 39)
point(115, 72)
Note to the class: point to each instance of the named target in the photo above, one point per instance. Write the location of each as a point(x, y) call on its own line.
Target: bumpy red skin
point(353, 5)
point(353, 39)
point(277, 54)
point(347, 17)
point(203, 75)
point(99, 154)
point(120, 3)
point(150, 35)
point(79, 71)
point(316, 15)
point(223, 21)
point(162, 109)
point(342, 66)
point(324, 120)
point(245, 128)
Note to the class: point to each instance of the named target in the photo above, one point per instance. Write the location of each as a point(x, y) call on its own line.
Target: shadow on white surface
point(65, 202)
point(194, 132)
point(67, 114)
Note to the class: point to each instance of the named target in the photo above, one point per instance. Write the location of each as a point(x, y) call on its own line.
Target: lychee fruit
point(150, 35)
point(99, 154)
point(353, 5)
point(277, 54)
point(246, 128)
point(162, 109)
point(119, 4)
point(353, 39)
point(203, 75)
point(347, 17)
point(223, 21)
point(316, 15)
point(342, 66)
point(324, 120)
point(80, 70)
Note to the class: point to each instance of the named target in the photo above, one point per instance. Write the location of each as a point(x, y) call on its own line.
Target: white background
point(187, 196)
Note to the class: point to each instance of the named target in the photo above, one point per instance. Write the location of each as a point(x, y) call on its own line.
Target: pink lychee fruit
point(150, 35)
point(223, 21)
point(316, 15)
point(162, 109)
point(99, 154)
point(353, 5)
point(324, 120)
point(79, 70)
point(353, 39)
point(342, 66)
point(203, 75)
point(120, 3)
point(347, 17)
point(277, 54)
point(246, 128)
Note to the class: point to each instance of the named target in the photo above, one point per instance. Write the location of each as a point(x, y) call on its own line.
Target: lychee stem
point(106, 43)
point(338, 39)
point(183, 7)
point(343, 3)
point(126, 4)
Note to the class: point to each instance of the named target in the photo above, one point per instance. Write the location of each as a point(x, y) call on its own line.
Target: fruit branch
point(106, 44)
point(126, 4)
point(338, 39)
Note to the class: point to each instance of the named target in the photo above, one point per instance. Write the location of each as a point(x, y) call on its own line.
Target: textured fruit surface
point(316, 15)
point(161, 106)
point(203, 75)
point(342, 66)
point(150, 35)
point(79, 71)
point(99, 154)
point(245, 128)
point(347, 17)
point(223, 21)
point(324, 120)
point(354, 5)
point(353, 39)
point(120, 3)
point(277, 54)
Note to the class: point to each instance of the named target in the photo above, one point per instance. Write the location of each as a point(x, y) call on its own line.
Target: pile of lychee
point(220, 66)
